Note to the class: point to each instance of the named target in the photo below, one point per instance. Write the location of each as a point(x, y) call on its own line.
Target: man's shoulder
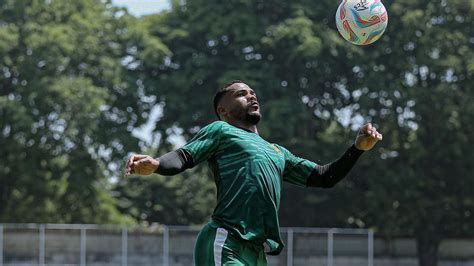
point(213, 128)
point(216, 125)
point(282, 149)
point(278, 146)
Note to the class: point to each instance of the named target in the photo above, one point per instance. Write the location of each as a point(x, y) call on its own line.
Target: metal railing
point(82, 244)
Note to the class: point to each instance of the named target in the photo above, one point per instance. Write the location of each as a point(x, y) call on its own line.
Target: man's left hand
point(367, 137)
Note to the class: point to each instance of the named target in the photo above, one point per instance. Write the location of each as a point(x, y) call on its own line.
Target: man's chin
point(254, 117)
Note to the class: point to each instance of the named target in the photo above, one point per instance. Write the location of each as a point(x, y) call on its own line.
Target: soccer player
point(248, 172)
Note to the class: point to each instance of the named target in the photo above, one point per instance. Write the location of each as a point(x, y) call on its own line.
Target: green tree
point(68, 104)
point(183, 199)
point(424, 187)
point(279, 48)
point(316, 89)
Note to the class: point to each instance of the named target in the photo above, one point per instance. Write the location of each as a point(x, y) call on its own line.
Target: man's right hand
point(139, 164)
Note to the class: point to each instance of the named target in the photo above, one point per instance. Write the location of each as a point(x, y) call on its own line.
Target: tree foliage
point(77, 78)
point(316, 89)
point(426, 187)
point(67, 106)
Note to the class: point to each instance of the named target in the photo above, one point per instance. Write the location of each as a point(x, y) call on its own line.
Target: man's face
point(240, 103)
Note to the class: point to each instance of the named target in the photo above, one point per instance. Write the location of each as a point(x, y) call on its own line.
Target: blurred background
point(85, 83)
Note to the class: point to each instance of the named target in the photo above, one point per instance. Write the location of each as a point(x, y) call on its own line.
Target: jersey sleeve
point(297, 170)
point(205, 143)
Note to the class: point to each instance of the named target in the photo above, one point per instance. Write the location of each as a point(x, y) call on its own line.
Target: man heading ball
point(248, 172)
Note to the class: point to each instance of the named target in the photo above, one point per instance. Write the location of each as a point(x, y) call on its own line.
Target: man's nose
point(251, 97)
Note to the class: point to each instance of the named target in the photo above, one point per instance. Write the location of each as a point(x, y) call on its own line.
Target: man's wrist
point(157, 165)
point(355, 149)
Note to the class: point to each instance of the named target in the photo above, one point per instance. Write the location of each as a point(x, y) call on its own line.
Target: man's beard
point(253, 118)
point(245, 115)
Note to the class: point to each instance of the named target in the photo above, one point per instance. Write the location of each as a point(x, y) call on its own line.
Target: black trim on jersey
point(328, 175)
point(174, 162)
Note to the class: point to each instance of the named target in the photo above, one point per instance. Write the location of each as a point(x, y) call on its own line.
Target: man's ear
point(221, 111)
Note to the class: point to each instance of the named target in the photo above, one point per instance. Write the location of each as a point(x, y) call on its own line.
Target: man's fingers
point(369, 128)
point(142, 161)
point(370, 131)
point(376, 135)
point(138, 157)
point(379, 136)
point(366, 129)
point(374, 132)
point(135, 157)
point(128, 167)
point(136, 166)
point(130, 163)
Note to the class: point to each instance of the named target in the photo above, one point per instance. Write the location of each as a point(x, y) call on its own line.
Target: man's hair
point(221, 92)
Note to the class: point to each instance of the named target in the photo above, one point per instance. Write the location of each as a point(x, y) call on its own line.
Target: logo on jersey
point(362, 5)
point(275, 148)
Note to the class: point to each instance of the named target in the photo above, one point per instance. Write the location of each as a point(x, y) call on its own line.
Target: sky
point(143, 7)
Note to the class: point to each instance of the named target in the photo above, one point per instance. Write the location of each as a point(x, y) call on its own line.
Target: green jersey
point(248, 172)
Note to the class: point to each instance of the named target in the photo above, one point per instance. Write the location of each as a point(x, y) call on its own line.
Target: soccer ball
point(361, 22)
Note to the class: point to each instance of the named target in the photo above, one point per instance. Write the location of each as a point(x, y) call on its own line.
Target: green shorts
point(215, 246)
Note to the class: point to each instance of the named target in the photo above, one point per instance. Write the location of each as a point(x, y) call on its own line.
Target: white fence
point(98, 245)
